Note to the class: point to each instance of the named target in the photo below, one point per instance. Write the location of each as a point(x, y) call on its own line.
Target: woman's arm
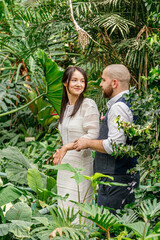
point(60, 153)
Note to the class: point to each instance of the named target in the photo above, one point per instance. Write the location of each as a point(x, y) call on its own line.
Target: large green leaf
point(51, 183)
point(20, 228)
point(17, 166)
point(19, 211)
point(4, 228)
point(9, 194)
point(14, 155)
point(16, 173)
point(34, 179)
point(53, 74)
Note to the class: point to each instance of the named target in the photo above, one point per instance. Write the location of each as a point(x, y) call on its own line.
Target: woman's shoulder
point(89, 106)
point(89, 101)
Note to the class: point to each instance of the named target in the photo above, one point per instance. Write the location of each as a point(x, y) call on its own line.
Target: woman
point(79, 117)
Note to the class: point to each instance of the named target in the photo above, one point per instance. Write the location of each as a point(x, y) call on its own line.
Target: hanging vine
point(83, 36)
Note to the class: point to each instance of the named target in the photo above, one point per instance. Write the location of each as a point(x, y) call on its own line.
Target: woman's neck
point(72, 99)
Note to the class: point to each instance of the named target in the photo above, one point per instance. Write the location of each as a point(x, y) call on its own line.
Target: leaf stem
point(22, 107)
point(144, 230)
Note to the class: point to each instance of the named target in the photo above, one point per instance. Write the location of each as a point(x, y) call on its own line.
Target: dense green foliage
point(38, 39)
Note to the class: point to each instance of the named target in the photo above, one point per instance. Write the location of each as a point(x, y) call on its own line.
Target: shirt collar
point(115, 98)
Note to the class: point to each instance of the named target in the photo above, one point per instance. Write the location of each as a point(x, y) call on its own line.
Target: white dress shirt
point(116, 109)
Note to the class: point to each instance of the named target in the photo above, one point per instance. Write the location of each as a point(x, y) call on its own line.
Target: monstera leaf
point(53, 75)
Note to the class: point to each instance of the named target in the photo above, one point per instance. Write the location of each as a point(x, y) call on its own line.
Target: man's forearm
point(96, 145)
point(84, 143)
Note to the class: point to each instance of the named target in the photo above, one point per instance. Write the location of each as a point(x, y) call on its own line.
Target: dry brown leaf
point(53, 234)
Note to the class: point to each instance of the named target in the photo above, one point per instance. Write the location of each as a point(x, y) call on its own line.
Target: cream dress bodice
point(85, 123)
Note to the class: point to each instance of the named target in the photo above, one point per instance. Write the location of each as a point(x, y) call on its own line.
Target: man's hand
point(81, 143)
point(84, 143)
point(58, 156)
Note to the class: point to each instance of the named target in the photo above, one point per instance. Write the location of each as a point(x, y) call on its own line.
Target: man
point(114, 84)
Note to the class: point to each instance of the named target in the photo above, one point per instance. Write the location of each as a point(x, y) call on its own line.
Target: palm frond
point(149, 210)
point(99, 215)
point(85, 8)
point(113, 3)
point(135, 50)
point(114, 22)
point(63, 224)
point(128, 217)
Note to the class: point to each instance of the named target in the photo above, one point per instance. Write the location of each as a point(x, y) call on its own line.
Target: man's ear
point(114, 83)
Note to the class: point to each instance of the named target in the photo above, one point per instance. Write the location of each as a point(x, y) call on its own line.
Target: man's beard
point(108, 92)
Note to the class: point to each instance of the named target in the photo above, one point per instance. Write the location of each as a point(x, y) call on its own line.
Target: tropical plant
point(23, 172)
point(53, 76)
point(62, 224)
point(99, 215)
point(91, 34)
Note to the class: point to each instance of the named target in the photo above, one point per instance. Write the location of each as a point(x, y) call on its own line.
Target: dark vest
point(107, 164)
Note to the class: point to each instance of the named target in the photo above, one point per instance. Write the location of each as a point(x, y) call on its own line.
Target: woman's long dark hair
point(67, 76)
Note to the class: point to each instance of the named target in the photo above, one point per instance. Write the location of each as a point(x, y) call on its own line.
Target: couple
point(79, 128)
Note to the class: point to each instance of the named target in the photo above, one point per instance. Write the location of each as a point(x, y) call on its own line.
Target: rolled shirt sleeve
point(115, 134)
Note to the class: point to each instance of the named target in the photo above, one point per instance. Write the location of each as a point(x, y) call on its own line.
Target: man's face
point(106, 85)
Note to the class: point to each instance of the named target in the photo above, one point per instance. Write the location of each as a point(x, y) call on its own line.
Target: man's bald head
point(119, 72)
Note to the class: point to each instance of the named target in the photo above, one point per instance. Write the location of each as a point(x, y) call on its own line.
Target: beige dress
point(85, 123)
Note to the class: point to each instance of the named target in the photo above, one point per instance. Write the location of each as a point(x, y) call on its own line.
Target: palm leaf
point(149, 210)
point(140, 228)
point(63, 224)
point(128, 217)
point(99, 215)
point(112, 22)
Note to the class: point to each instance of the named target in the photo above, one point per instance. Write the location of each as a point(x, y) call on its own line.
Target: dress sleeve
point(90, 119)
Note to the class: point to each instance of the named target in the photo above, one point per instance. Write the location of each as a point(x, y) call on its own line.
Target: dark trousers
point(117, 197)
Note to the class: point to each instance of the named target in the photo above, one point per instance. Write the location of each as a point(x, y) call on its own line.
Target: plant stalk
point(22, 107)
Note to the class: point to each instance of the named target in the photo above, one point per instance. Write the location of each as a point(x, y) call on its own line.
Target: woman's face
point(76, 84)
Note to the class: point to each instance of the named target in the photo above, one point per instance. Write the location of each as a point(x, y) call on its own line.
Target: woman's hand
point(60, 153)
point(58, 156)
